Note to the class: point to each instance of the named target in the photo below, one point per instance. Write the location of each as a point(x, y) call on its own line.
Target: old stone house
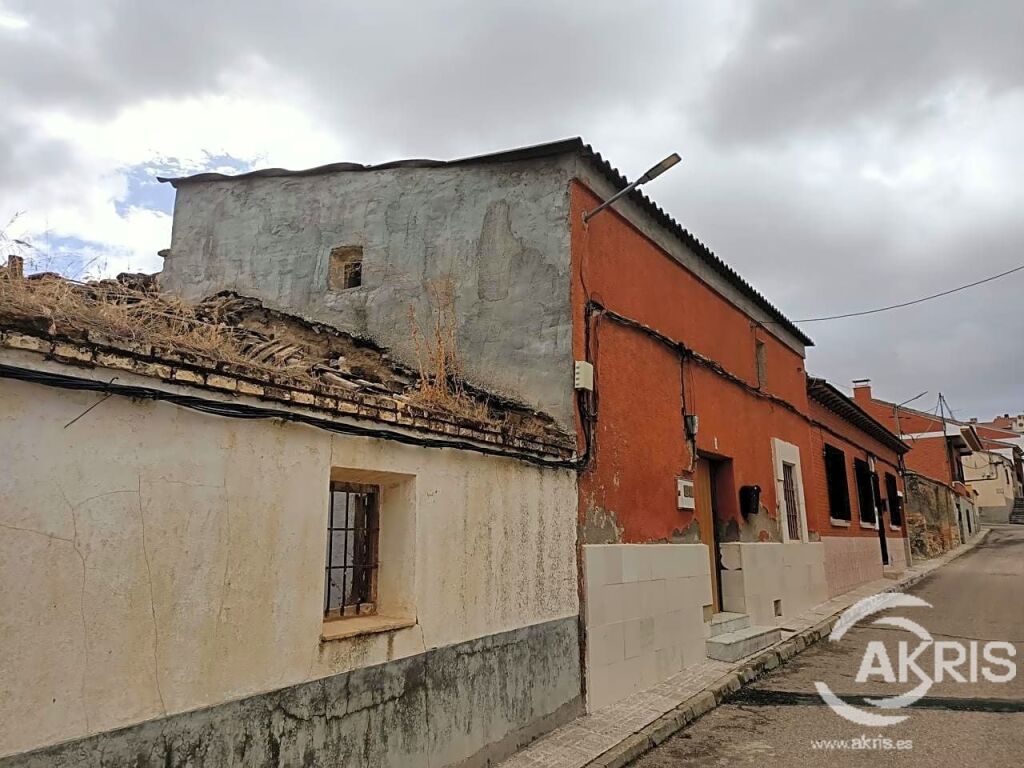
point(269, 552)
point(685, 387)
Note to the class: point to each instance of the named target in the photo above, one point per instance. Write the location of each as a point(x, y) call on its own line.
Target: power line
point(915, 301)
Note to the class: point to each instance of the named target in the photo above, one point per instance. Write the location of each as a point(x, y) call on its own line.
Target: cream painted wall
point(992, 477)
point(156, 560)
point(755, 575)
point(644, 615)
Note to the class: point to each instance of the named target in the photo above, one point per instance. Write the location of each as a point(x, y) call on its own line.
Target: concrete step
point(893, 573)
point(733, 646)
point(724, 622)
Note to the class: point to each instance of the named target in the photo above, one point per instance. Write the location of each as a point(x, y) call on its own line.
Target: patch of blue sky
point(144, 191)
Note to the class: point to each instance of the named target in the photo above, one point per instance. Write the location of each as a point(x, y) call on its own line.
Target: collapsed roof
point(233, 343)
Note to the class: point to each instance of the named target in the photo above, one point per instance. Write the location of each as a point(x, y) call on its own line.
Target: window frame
point(892, 494)
point(787, 453)
point(365, 545)
point(837, 483)
point(865, 488)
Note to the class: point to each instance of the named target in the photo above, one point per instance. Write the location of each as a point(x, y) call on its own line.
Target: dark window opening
point(892, 493)
point(345, 268)
point(865, 492)
point(352, 528)
point(838, 483)
point(792, 510)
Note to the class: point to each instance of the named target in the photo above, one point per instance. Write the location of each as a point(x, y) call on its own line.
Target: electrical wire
point(915, 301)
point(244, 411)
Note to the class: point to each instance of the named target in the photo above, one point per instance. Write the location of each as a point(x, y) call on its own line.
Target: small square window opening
point(345, 268)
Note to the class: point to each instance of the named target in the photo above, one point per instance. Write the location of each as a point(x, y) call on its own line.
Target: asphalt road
point(780, 720)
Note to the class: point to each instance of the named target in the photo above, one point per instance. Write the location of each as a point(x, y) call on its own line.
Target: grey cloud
point(750, 93)
point(806, 67)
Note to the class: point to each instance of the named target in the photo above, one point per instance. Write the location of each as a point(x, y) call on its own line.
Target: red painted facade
point(634, 308)
point(830, 429)
point(931, 454)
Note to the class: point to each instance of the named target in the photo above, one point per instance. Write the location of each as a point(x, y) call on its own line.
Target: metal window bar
point(351, 569)
point(792, 511)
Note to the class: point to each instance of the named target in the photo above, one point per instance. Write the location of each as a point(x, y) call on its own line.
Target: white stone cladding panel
point(644, 615)
point(755, 575)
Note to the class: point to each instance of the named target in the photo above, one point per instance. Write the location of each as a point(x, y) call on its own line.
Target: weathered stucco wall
point(433, 708)
point(627, 493)
point(157, 560)
point(499, 230)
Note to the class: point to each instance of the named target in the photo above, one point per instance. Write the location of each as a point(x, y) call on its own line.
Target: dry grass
point(442, 383)
point(63, 307)
point(221, 329)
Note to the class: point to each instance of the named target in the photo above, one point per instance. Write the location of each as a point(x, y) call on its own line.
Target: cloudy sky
point(840, 155)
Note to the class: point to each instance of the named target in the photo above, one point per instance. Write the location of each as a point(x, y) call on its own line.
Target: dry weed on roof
point(239, 330)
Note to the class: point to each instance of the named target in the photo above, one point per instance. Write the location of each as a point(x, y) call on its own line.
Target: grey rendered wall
point(463, 705)
point(501, 230)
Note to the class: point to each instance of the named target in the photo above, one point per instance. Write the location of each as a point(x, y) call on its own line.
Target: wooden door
point(705, 503)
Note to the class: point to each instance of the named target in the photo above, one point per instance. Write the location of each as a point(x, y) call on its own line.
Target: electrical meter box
point(685, 495)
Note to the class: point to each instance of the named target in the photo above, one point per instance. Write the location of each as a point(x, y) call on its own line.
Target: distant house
point(941, 509)
point(233, 537)
point(996, 473)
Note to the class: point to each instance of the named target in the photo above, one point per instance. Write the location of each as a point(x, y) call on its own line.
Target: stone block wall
point(931, 517)
point(770, 581)
point(644, 615)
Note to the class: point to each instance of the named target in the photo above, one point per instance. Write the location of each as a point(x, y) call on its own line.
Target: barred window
point(352, 531)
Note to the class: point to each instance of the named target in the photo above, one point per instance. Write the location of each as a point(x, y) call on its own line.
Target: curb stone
point(695, 707)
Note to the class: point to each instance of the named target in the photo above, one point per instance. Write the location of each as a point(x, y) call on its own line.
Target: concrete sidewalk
point(618, 734)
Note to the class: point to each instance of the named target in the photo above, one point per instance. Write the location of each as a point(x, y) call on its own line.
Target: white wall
point(643, 611)
point(754, 575)
point(156, 560)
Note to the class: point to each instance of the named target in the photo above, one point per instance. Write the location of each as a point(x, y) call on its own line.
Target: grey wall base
point(995, 515)
point(464, 705)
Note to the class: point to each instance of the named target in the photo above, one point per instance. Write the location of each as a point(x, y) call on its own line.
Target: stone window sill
point(354, 626)
point(869, 526)
point(839, 523)
point(895, 527)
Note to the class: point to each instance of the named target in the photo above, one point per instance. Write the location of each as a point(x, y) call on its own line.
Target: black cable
point(244, 411)
point(915, 301)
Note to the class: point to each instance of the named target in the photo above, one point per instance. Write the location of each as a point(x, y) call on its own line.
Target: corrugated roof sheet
point(574, 145)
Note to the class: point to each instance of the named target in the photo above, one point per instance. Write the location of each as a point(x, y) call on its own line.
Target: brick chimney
point(862, 390)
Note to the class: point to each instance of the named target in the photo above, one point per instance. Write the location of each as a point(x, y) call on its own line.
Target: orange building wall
point(640, 445)
point(928, 456)
point(855, 444)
